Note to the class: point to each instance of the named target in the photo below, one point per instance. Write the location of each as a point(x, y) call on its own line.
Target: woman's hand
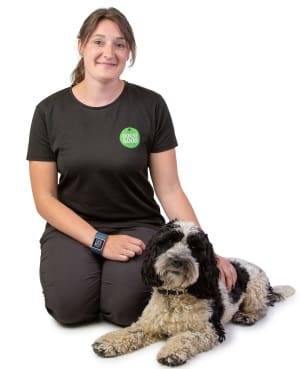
point(122, 247)
point(228, 273)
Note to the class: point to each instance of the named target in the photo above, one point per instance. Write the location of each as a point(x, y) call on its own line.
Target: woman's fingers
point(122, 247)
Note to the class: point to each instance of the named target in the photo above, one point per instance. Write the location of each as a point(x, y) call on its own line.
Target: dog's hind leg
point(123, 341)
point(257, 300)
point(255, 303)
point(180, 348)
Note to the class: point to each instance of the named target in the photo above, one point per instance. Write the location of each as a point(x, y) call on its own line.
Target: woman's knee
point(123, 293)
point(124, 310)
point(70, 311)
point(70, 277)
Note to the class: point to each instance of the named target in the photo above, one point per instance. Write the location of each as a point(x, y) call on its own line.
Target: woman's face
point(105, 53)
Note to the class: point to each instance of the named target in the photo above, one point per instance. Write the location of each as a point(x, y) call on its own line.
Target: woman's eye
point(120, 45)
point(99, 42)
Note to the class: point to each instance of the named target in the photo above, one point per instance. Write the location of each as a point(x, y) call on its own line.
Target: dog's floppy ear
point(202, 250)
point(160, 242)
point(207, 285)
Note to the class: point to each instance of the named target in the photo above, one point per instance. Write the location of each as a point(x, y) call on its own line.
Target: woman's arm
point(164, 174)
point(43, 176)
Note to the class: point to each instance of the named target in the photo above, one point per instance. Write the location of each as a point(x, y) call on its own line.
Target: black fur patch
point(218, 311)
point(241, 283)
point(202, 251)
point(207, 285)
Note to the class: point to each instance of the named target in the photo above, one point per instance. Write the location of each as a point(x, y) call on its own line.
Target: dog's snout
point(177, 263)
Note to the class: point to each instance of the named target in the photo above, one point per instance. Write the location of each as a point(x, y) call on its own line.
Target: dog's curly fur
point(190, 304)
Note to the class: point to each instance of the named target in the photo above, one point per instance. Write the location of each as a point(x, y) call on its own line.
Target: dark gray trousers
point(80, 287)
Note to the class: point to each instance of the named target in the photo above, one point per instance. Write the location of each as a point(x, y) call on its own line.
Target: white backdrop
point(229, 71)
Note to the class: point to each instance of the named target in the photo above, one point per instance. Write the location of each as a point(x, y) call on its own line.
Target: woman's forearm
point(65, 220)
point(176, 205)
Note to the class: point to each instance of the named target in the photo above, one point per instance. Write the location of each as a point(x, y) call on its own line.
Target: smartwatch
point(98, 244)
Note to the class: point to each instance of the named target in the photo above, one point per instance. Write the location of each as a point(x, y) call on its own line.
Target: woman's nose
point(108, 50)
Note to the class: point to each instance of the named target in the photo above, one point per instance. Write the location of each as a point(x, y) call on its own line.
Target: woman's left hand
point(227, 272)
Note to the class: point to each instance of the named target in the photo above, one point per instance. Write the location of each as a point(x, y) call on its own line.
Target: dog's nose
point(177, 263)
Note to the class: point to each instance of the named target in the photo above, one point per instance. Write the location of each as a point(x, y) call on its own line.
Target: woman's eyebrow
point(117, 38)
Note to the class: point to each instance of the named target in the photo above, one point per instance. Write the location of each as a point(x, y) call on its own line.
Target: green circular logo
point(130, 137)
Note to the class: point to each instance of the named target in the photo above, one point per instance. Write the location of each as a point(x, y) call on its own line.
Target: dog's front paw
point(113, 344)
point(173, 359)
point(105, 348)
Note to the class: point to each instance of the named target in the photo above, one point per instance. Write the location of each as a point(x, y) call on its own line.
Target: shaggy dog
point(190, 304)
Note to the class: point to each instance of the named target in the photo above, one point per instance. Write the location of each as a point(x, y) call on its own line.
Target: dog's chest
point(169, 315)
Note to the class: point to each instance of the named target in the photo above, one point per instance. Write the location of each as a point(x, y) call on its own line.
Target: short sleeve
point(39, 145)
point(164, 135)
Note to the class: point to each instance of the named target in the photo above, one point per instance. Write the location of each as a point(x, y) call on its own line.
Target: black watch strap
point(99, 242)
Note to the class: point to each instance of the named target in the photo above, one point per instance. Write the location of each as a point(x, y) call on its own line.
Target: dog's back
point(253, 294)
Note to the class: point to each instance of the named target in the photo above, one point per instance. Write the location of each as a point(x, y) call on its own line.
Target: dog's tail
point(279, 293)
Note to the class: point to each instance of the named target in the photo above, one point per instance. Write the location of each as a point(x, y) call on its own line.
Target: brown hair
point(88, 27)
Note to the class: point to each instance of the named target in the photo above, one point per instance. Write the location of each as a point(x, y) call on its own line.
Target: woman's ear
point(80, 47)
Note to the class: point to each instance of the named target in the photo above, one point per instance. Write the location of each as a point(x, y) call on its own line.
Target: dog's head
point(180, 256)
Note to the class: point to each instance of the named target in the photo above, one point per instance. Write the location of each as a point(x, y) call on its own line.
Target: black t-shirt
point(102, 154)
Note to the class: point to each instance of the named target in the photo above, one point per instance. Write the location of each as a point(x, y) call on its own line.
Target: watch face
point(98, 243)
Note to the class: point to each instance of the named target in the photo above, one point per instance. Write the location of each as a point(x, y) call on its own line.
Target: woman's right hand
point(121, 247)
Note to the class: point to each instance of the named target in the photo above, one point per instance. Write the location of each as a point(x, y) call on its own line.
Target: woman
point(101, 136)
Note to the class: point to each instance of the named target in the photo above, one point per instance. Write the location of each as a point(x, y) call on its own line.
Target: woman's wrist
point(99, 243)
